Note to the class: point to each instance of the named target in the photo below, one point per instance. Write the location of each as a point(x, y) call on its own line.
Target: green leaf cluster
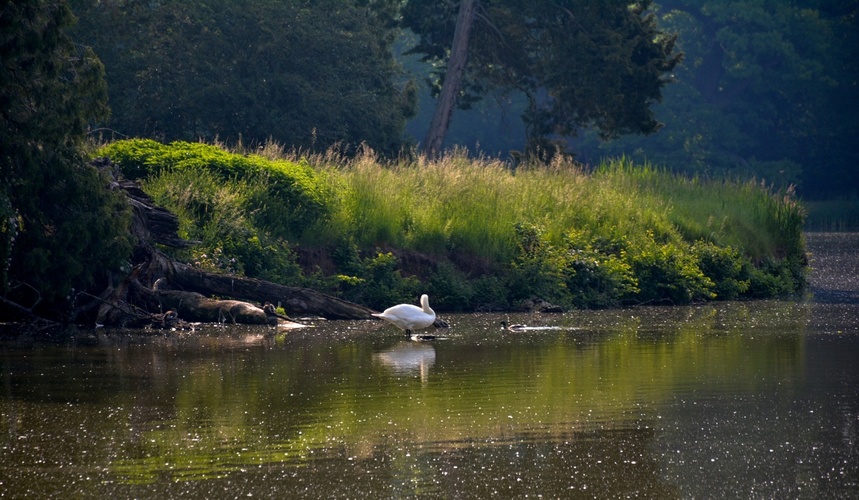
point(589, 270)
point(379, 283)
point(766, 91)
point(579, 63)
point(306, 74)
point(61, 230)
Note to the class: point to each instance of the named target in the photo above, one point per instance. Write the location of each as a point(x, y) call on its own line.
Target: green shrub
point(380, 284)
point(450, 289)
point(490, 293)
point(266, 258)
point(539, 268)
point(776, 278)
point(136, 158)
point(669, 272)
point(725, 267)
point(598, 274)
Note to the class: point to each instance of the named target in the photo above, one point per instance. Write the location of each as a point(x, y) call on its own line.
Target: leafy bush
point(490, 293)
point(597, 277)
point(450, 289)
point(380, 284)
point(725, 267)
point(539, 268)
point(669, 272)
point(776, 278)
point(136, 158)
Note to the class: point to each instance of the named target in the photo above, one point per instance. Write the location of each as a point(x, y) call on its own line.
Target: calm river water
point(724, 400)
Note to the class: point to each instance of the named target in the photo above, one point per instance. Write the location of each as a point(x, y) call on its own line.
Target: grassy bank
point(473, 233)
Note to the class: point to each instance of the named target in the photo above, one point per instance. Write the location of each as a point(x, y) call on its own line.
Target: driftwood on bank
point(184, 291)
point(195, 307)
point(295, 300)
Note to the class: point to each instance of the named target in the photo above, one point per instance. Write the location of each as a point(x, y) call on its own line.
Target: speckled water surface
point(834, 263)
point(723, 400)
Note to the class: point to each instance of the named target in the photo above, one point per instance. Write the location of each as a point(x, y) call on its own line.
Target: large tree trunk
point(452, 79)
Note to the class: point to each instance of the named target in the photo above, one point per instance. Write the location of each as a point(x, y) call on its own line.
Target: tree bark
point(452, 79)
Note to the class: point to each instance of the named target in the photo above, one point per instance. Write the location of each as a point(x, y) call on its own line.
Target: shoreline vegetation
point(476, 234)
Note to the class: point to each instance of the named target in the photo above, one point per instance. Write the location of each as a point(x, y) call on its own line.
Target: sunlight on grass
point(621, 232)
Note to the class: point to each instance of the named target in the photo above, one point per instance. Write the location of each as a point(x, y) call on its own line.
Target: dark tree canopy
point(59, 228)
point(580, 63)
point(767, 89)
point(304, 73)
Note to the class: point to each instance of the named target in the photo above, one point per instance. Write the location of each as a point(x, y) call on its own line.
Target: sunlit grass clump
point(475, 232)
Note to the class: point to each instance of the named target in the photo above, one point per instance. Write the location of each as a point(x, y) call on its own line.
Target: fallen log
point(296, 301)
point(194, 307)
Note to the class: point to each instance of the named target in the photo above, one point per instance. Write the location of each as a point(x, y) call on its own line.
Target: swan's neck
point(425, 305)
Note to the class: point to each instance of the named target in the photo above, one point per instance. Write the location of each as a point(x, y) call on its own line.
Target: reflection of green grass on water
point(329, 401)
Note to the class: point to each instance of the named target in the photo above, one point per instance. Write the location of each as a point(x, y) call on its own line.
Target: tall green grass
point(622, 233)
point(744, 214)
point(474, 204)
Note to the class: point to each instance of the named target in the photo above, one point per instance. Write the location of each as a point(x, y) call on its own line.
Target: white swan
point(409, 317)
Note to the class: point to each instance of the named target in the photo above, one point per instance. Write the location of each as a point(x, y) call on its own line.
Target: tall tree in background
point(580, 63)
point(308, 74)
point(59, 228)
point(768, 89)
point(453, 81)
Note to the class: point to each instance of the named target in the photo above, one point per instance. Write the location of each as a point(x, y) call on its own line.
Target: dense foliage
point(243, 209)
point(767, 89)
point(474, 233)
point(59, 228)
point(477, 235)
point(579, 63)
point(307, 74)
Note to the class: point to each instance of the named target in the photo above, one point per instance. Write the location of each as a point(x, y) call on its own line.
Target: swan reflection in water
point(407, 358)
